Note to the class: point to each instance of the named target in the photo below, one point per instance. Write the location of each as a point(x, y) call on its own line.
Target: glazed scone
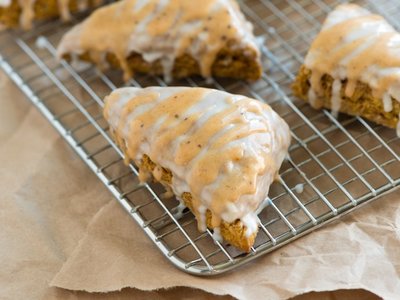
point(218, 153)
point(22, 13)
point(353, 66)
point(174, 38)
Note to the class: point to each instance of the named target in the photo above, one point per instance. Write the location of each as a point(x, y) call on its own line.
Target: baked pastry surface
point(176, 38)
point(22, 13)
point(353, 66)
point(218, 153)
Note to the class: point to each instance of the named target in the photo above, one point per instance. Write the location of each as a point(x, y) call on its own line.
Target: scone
point(22, 13)
point(174, 38)
point(218, 153)
point(353, 66)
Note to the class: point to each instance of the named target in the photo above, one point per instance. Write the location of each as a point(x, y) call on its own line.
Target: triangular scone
point(176, 38)
point(217, 152)
point(353, 66)
point(21, 13)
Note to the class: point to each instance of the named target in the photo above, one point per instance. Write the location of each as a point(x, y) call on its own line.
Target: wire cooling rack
point(335, 165)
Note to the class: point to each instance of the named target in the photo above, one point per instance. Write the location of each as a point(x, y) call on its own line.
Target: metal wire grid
point(341, 163)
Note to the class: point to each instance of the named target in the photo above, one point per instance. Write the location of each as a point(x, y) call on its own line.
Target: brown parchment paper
point(360, 252)
point(60, 228)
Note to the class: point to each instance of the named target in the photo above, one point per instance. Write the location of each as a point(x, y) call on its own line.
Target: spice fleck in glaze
point(161, 30)
point(223, 149)
point(357, 46)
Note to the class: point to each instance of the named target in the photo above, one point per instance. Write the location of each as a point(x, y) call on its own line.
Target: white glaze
point(336, 97)
point(312, 98)
point(262, 205)
point(217, 234)
point(398, 127)
point(268, 146)
point(179, 210)
point(387, 102)
point(299, 188)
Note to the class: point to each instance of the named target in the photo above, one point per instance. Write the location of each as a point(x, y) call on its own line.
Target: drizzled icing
point(161, 30)
point(357, 46)
point(28, 13)
point(224, 149)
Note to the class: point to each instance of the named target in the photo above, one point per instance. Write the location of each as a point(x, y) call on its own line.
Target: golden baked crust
point(44, 9)
point(231, 63)
point(233, 233)
point(361, 103)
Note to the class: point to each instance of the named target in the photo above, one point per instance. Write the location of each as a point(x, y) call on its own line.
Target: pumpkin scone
point(218, 153)
point(174, 38)
point(353, 66)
